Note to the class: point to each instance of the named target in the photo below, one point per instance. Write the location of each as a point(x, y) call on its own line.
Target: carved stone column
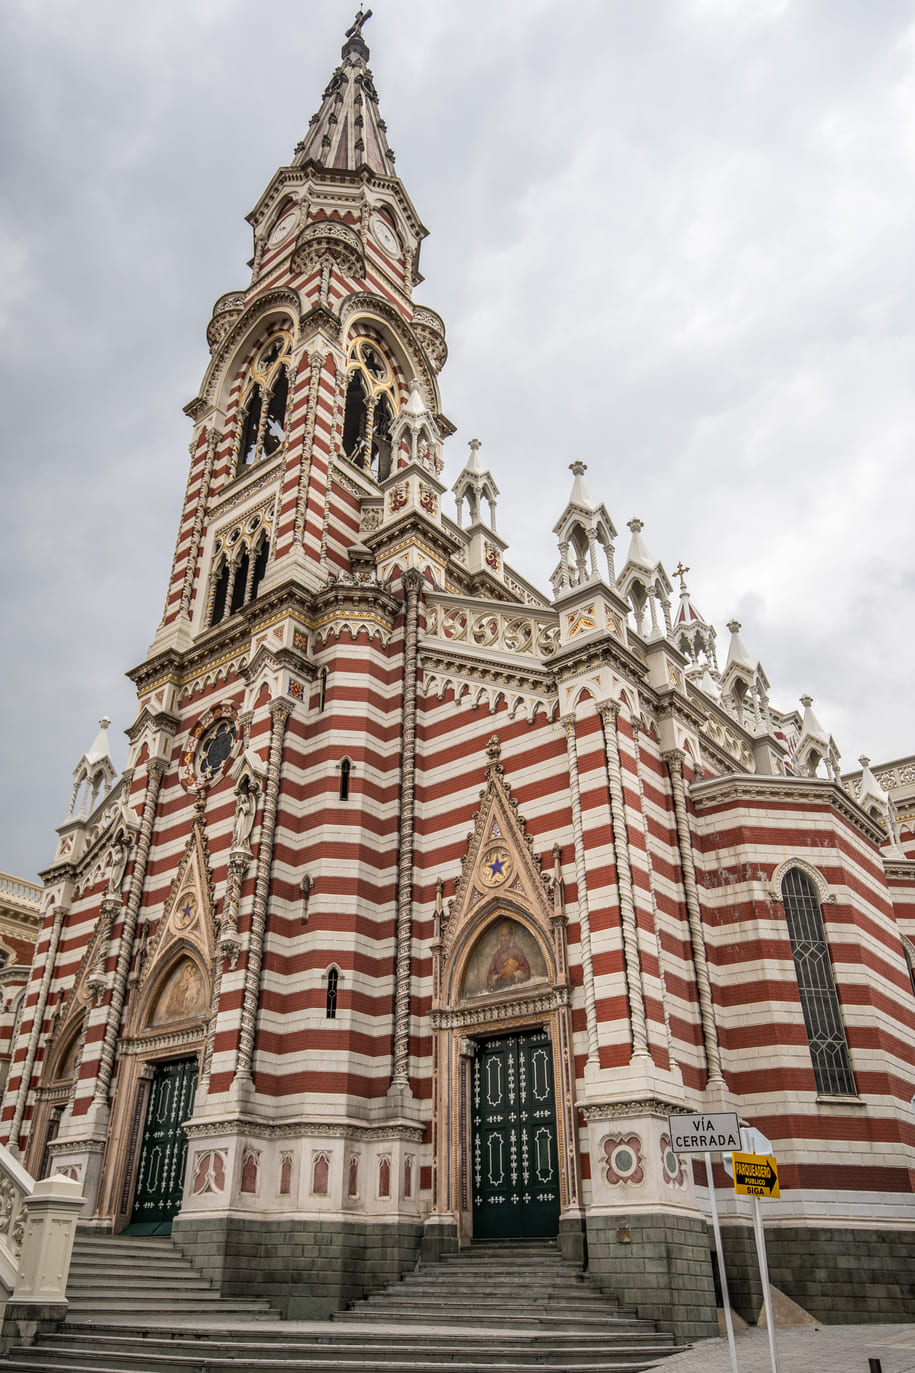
point(609, 711)
point(280, 712)
point(581, 880)
point(154, 774)
point(316, 363)
point(400, 1077)
point(674, 763)
point(203, 496)
point(60, 915)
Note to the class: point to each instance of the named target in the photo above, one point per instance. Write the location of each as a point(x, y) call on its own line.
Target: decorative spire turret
point(475, 485)
point(583, 527)
point(693, 635)
point(645, 585)
point(815, 745)
point(93, 772)
point(348, 131)
point(745, 686)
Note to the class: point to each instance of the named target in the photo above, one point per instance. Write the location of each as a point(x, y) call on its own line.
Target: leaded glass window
point(819, 1001)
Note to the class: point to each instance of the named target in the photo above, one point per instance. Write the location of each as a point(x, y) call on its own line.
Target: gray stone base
point(661, 1266)
point(23, 1322)
point(306, 1269)
point(841, 1276)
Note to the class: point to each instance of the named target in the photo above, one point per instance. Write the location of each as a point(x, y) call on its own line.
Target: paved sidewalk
point(804, 1349)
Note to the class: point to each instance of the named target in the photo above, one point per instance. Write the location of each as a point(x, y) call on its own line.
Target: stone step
point(162, 1356)
point(137, 1306)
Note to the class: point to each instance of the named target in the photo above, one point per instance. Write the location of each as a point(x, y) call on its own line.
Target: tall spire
point(348, 131)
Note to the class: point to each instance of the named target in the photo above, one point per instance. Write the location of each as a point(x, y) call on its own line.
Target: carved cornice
point(626, 1110)
point(900, 870)
point(799, 791)
point(504, 1012)
point(305, 1129)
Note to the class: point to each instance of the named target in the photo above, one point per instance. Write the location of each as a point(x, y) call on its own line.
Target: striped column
point(280, 712)
point(581, 880)
point(609, 712)
point(674, 763)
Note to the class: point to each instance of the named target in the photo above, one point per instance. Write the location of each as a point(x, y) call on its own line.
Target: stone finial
point(734, 626)
point(635, 524)
point(864, 761)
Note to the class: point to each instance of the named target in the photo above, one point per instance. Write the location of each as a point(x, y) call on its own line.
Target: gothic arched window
point(370, 407)
point(819, 1000)
point(263, 408)
point(240, 559)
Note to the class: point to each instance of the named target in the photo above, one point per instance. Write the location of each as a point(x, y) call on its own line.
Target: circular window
point(214, 750)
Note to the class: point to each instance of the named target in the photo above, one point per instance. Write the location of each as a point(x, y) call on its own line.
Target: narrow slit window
point(240, 584)
point(252, 426)
point(260, 567)
point(330, 1005)
point(345, 768)
point(276, 415)
point(219, 594)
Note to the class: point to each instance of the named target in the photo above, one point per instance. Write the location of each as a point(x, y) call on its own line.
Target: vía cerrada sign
point(704, 1133)
point(755, 1175)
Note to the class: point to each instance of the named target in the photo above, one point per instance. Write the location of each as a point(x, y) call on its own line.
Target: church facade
point(427, 895)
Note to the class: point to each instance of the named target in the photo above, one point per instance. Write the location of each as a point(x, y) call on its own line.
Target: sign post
point(755, 1174)
point(700, 1134)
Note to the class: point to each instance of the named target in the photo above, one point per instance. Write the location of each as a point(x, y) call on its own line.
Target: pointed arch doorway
point(514, 1149)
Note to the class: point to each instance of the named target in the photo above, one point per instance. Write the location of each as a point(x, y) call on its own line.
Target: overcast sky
point(672, 238)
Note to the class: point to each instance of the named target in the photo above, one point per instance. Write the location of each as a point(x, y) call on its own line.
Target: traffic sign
point(702, 1133)
point(755, 1175)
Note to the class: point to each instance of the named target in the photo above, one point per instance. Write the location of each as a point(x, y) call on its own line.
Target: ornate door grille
point(515, 1163)
point(160, 1177)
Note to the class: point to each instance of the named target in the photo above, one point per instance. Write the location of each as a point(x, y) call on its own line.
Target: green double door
point(160, 1175)
point(515, 1161)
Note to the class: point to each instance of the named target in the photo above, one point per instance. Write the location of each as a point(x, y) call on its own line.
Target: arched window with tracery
point(262, 423)
point(370, 408)
point(240, 558)
point(819, 999)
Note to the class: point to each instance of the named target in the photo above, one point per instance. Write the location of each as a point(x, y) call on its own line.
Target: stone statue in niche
point(119, 855)
point(244, 814)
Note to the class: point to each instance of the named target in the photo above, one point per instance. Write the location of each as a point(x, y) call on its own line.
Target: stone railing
point(16, 1185)
point(487, 626)
point(16, 891)
point(37, 1230)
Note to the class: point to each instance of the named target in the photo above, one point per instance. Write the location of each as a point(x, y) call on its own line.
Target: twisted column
point(674, 763)
point(316, 363)
point(60, 914)
point(655, 915)
point(280, 712)
point(581, 879)
point(609, 712)
point(203, 496)
point(401, 1076)
point(154, 774)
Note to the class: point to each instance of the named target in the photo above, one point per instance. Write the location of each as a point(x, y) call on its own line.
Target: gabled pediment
point(503, 934)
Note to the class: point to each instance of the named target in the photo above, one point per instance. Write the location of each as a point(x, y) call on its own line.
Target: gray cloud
point(671, 239)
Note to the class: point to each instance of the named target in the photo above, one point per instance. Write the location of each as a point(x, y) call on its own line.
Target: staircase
point(138, 1305)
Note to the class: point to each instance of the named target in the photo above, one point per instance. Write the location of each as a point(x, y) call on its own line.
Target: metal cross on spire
point(362, 17)
point(681, 571)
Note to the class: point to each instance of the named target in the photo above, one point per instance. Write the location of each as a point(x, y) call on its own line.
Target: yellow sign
point(755, 1175)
